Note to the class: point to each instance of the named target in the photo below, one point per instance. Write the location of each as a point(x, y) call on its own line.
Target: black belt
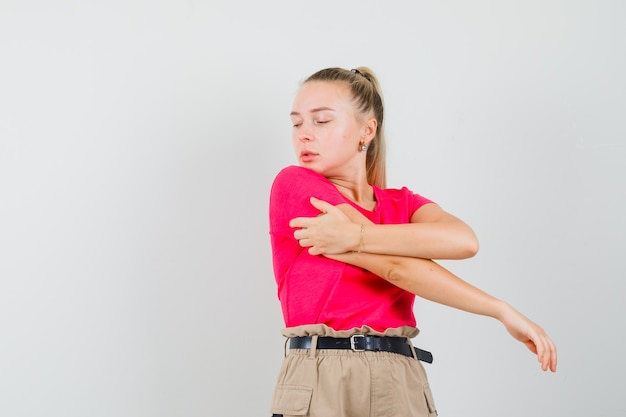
point(360, 343)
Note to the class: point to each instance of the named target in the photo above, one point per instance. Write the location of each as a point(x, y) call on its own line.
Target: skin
point(327, 125)
point(328, 131)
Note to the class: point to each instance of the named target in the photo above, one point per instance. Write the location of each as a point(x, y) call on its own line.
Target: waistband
point(361, 343)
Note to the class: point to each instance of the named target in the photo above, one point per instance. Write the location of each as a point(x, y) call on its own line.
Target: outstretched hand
point(533, 336)
point(331, 232)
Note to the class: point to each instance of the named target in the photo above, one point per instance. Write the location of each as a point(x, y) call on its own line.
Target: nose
point(305, 134)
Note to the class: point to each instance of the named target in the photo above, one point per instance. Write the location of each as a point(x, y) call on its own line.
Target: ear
point(369, 130)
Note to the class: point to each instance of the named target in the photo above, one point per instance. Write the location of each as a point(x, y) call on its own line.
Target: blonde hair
point(366, 90)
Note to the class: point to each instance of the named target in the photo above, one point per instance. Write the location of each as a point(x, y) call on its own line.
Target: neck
point(356, 190)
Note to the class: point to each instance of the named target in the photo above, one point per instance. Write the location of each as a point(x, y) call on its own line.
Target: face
point(327, 129)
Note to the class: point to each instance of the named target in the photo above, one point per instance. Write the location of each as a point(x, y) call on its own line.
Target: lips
point(308, 156)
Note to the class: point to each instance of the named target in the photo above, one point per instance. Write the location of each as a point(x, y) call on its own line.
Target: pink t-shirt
point(318, 290)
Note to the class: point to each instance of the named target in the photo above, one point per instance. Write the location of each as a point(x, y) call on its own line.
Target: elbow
point(463, 244)
point(468, 248)
point(396, 271)
point(471, 247)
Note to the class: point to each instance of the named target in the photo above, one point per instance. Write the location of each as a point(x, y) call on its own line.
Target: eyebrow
point(315, 110)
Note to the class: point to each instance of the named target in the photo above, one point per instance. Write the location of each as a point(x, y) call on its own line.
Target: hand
point(533, 336)
point(331, 232)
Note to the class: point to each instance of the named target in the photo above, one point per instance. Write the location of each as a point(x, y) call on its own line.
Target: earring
point(362, 147)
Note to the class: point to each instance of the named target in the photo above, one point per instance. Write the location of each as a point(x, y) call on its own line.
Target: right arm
point(431, 281)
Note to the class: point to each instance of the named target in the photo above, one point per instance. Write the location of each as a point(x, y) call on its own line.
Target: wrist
point(502, 310)
point(360, 238)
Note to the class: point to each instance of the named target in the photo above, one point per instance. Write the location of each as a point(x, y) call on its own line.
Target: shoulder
point(294, 173)
point(293, 188)
point(296, 179)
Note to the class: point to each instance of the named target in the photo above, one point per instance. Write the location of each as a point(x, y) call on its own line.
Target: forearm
point(450, 239)
point(431, 281)
point(428, 280)
point(454, 240)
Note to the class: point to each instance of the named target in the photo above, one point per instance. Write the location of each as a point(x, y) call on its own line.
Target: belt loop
point(313, 349)
point(285, 348)
point(410, 342)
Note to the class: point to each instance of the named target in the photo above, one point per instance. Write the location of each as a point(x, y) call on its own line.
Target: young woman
point(349, 257)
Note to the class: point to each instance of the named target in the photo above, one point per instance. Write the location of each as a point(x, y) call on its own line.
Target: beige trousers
point(343, 383)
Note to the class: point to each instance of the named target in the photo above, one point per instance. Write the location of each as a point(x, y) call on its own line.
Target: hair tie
point(356, 71)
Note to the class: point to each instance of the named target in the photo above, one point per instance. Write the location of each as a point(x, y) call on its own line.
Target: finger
point(301, 222)
point(315, 251)
point(531, 346)
point(300, 234)
point(547, 356)
point(542, 357)
point(553, 356)
point(321, 205)
point(536, 345)
point(540, 347)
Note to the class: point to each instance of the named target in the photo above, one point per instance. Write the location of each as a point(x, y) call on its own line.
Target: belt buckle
point(353, 342)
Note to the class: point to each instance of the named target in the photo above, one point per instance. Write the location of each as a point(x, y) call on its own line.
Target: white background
point(138, 142)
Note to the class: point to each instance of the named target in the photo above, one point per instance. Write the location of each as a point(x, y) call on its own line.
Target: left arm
point(432, 233)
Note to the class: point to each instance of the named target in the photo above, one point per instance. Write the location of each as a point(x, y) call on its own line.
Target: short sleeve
point(290, 196)
point(418, 201)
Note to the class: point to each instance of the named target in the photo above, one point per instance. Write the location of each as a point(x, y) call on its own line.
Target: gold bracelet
point(361, 239)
